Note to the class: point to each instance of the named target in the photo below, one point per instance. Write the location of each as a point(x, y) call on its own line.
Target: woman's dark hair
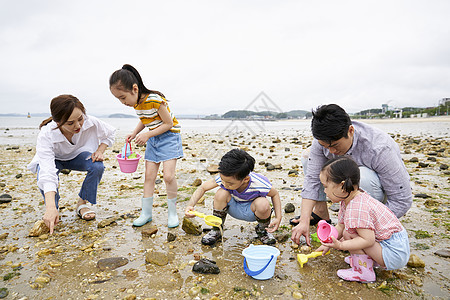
point(236, 163)
point(126, 77)
point(61, 108)
point(330, 123)
point(343, 169)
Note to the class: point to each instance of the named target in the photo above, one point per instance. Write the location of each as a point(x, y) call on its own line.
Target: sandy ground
point(64, 265)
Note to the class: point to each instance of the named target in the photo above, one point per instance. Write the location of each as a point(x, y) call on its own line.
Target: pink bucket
point(325, 231)
point(128, 165)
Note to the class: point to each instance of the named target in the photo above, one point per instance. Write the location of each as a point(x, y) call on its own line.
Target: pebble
point(423, 196)
point(107, 222)
point(197, 182)
point(5, 198)
point(149, 231)
point(213, 169)
point(415, 262)
point(111, 263)
point(171, 237)
point(289, 208)
point(206, 266)
point(156, 258)
point(443, 252)
point(3, 292)
point(191, 227)
point(39, 228)
point(297, 295)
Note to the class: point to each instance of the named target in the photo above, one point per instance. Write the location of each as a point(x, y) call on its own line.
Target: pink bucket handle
point(127, 143)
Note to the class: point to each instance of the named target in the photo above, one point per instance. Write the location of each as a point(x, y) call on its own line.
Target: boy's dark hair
point(125, 78)
point(236, 163)
point(342, 169)
point(330, 123)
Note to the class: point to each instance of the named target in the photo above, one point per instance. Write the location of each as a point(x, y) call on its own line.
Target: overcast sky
point(214, 56)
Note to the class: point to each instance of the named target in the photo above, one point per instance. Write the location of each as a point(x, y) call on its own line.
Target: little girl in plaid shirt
point(367, 228)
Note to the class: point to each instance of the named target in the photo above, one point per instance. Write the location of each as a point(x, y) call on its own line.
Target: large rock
point(111, 263)
point(206, 266)
point(39, 228)
point(191, 227)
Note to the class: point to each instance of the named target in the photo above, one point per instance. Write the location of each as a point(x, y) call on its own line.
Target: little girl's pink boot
point(361, 270)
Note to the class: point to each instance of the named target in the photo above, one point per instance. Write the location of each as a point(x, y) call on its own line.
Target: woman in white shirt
point(72, 140)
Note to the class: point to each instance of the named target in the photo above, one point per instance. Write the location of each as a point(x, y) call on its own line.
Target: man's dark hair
point(330, 123)
point(236, 163)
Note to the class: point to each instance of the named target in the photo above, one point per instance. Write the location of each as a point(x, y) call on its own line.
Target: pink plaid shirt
point(363, 211)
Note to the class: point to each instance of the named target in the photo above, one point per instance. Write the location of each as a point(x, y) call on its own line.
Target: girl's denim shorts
point(163, 147)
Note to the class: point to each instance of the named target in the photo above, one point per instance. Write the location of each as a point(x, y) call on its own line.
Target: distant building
point(384, 108)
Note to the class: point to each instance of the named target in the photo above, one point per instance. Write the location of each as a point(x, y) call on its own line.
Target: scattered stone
point(130, 297)
point(197, 182)
point(194, 291)
point(156, 258)
point(430, 203)
point(432, 153)
point(414, 160)
point(111, 263)
point(4, 235)
point(3, 293)
point(276, 141)
point(107, 221)
point(148, 231)
point(443, 252)
point(38, 229)
point(66, 171)
point(283, 237)
point(5, 198)
point(431, 158)
point(423, 165)
point(213, 169)
point(191, 227)
point(287, 149)
point(270, 167)
point(171, 237)
point(289, 208)
point(206, 266)
point(293, 173)
point(158, 181)
point(443, 167)
point(415, 262)
point(423, 196)
point(42, 280)
point(335, 207)
point(297, 295)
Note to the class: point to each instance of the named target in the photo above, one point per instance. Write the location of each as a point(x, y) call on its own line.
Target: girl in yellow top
point(163, 140)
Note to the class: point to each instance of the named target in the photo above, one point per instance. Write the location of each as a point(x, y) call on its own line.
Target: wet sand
point(64, 265)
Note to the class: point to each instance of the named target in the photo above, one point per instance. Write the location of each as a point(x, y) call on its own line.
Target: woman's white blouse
point(52, 144)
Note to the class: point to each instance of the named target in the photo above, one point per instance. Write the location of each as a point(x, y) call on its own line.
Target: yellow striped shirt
point(147, 111)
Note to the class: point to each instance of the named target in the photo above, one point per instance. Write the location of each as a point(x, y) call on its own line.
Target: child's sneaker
point(211, 237)
point(265, 237)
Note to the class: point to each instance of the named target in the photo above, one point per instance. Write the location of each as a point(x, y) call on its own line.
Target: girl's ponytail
point(127, 77)
point(343, 170)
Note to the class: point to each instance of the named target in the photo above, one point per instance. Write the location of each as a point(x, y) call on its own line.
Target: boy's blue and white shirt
point(258, 186)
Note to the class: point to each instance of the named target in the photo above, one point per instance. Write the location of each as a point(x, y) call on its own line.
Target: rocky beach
point(108, 258)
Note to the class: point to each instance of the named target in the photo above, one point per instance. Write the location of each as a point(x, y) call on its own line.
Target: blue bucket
point(260, 261)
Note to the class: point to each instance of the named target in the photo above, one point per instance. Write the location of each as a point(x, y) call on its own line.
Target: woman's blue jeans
point(83, 162)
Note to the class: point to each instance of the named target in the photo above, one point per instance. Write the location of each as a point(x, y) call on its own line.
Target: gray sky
point(214, 56)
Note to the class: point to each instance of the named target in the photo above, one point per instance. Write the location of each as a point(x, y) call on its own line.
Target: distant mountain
point(40, 115)
point(122, 116)
point(243, 114)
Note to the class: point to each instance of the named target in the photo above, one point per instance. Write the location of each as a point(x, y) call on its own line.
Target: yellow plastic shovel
point(303, 258)
point(209, 219)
